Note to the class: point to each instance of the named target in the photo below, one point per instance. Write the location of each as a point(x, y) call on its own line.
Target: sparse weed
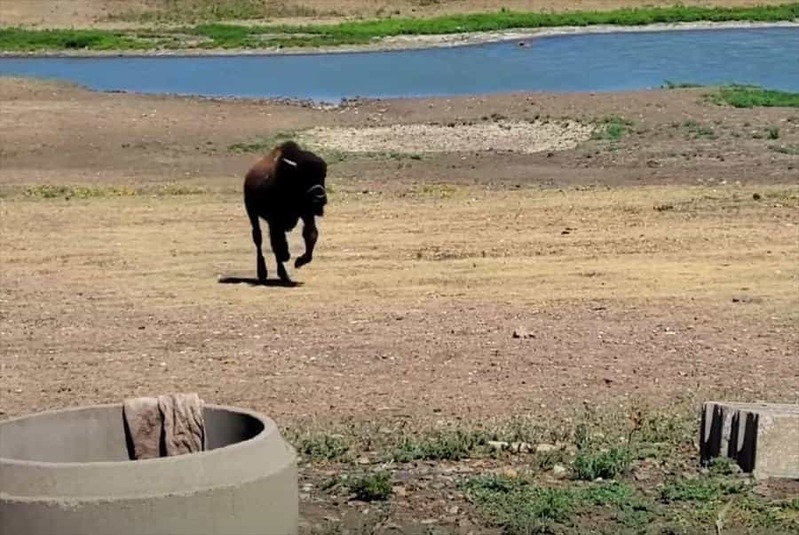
point(679, 85)
point(48, 191)
point(792, 150)
point(323, 447)
point(444, 445)
point(519, 506)
point(612, 128)
point(262, 144)
point(697, 130)
point(604, 463)
point(371, 487)
point(193, 11)
point(698, 489)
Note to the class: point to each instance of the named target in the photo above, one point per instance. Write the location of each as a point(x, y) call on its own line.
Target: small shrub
point(679, 85)
point(262, 144)
point(773, 132)
point(452, 446)
point(700, 489)
point(371, 487)
point(520, 507)
point(606, 464)
point(323, 447)
point(792, 150)
point(612, 129)
point(697, 130)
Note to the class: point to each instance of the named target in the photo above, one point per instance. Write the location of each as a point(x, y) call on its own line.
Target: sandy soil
point(95, 13)
point(644, 268)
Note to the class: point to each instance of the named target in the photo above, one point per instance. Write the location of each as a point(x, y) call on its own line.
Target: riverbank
point(381, 34)
point(408, 42)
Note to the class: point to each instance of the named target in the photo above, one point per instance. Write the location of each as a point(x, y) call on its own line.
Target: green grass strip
point(239, 36)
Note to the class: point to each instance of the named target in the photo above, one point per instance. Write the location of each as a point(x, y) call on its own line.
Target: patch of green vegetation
point(792, 150)
point(26, 40)
point(523, 505)
point(773, 133)
point(520, 505)
point(375, 486)
point(323, 447)
point(775, 516)
point(749, 96)
point(679, 85)
point(698, 130)
point(192, 11)
point(605, 463)
point(699, 489)
point(444, 445)
point(353, 32)
point(50, 191)
point(436, 191)
point(179, 189)
point(506, 20)
point(612, 128)
point(263, 144)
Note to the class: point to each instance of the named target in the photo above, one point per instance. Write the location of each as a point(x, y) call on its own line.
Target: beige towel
point(144, 426)
point(184, 427)
point(168, 425)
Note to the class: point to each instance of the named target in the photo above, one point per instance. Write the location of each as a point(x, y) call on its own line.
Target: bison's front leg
point(309, 234)
point(280, 247)
point(256, 238)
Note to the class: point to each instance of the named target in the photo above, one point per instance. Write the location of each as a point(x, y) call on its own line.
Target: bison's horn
point(290, 162)
point(317, 192)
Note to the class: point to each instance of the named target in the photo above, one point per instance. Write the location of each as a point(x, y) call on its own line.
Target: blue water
point(566, 63)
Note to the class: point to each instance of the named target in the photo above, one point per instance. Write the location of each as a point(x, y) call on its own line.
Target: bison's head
point(307, 173)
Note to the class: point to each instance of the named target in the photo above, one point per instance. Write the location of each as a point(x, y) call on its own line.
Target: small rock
point(498, 445)
point(453, 510)
point(399, 490)
point(559, 471)
point(364, 460)
point(521, 447)
point(746, 299)
point(544, 448)
point(523, 333)
point(509, 472)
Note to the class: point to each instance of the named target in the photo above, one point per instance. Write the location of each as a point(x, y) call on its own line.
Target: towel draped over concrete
point(163, 426)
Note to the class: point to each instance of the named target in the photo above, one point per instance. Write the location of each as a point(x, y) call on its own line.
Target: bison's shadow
point(252, 281)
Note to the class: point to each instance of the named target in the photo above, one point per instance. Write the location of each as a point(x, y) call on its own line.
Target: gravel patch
point(520, 137)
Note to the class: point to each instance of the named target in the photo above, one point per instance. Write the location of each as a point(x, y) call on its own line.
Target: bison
point(284, 186)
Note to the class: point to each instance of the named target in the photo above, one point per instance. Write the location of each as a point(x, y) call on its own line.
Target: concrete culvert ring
point(68, 472)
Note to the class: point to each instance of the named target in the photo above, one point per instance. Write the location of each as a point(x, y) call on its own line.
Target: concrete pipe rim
point(268, 426)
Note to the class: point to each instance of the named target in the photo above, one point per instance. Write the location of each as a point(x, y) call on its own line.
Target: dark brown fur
point(281, 188)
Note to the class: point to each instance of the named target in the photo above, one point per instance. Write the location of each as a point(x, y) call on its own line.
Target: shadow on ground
point(252, 281)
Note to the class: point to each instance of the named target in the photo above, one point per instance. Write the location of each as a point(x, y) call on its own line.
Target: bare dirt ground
point(655, 268)
point(96, 13)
